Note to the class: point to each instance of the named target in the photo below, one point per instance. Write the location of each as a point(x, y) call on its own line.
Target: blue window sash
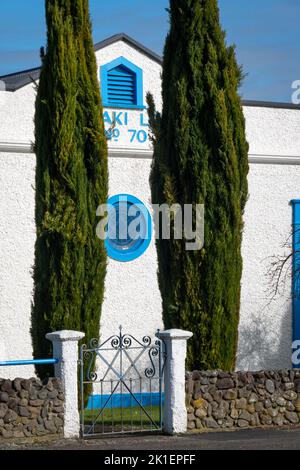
point(140, 245)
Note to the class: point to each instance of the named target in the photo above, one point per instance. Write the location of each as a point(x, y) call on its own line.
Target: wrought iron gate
point(121, 385)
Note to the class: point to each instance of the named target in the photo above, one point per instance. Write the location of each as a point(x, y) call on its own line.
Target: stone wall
point(219, 400)
point(31, 407)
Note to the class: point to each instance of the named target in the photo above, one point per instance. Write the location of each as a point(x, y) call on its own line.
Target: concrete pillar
point(65, 348)
point(175, 415)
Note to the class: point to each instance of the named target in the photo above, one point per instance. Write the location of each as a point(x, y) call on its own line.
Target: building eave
point(17, 80)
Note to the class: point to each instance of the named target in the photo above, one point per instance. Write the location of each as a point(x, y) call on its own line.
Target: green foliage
point(71, 180)
point(201, 156)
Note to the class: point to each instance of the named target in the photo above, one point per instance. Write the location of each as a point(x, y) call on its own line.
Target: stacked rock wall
point(218, 400)
point(31, 407)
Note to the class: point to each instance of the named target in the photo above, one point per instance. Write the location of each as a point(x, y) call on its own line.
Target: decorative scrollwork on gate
point(153, 353)
point(120, 344)
point(129, 371)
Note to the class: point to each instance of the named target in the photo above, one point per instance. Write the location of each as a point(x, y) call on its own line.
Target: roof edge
point(270, 104)
point(11, 79)
point(137, 45)
point(26, 77)
point(15, 74)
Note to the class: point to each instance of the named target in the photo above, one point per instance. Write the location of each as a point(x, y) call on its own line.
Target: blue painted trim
point(103, 82)
point(141, 244)
point(123, 106)
point(125, 400)
point(138, 77)
point(28, 362)
point(296, 267)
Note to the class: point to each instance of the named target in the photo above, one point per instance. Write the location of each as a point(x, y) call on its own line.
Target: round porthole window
point(129, 228)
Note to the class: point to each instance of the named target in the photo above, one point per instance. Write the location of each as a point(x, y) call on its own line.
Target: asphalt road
point(254, 439)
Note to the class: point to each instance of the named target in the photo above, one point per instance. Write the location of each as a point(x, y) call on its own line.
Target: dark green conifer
point(201, 156)
point(71, 180)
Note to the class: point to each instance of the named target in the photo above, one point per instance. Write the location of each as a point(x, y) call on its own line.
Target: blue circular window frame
point(139, 246)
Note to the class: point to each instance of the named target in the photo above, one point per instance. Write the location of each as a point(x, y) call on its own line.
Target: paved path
point(279, 439)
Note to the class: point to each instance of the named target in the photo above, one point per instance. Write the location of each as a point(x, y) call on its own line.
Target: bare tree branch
point(280, 270)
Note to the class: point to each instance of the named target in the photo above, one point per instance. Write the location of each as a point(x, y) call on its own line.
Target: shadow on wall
point(261, 346)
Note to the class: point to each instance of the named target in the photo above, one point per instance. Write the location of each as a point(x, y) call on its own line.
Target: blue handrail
point(28, 362)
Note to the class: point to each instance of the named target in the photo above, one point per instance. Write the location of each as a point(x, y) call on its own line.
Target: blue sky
point(266, 34)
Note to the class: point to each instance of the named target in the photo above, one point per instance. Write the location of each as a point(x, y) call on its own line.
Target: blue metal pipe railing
point(28, 362)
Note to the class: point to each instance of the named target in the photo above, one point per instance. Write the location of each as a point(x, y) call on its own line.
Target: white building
point(132, 297)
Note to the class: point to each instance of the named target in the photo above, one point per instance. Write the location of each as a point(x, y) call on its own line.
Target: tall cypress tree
point(71, 180)
point(201, 157)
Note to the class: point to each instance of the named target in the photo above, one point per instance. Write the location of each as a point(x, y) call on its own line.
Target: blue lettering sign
point(142, 123)
point(106, 118)
point(117, 118)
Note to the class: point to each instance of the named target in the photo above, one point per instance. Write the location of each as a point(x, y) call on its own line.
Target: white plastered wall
point(17, 235)
point(265, 331)
point(132, 296)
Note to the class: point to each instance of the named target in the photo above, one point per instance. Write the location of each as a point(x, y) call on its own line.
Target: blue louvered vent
point(121, 86)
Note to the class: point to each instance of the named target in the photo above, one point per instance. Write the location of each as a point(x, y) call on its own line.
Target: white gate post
point(175, 414)
point(65, 349)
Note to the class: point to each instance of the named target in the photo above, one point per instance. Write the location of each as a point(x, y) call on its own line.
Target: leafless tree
point(280, 268)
